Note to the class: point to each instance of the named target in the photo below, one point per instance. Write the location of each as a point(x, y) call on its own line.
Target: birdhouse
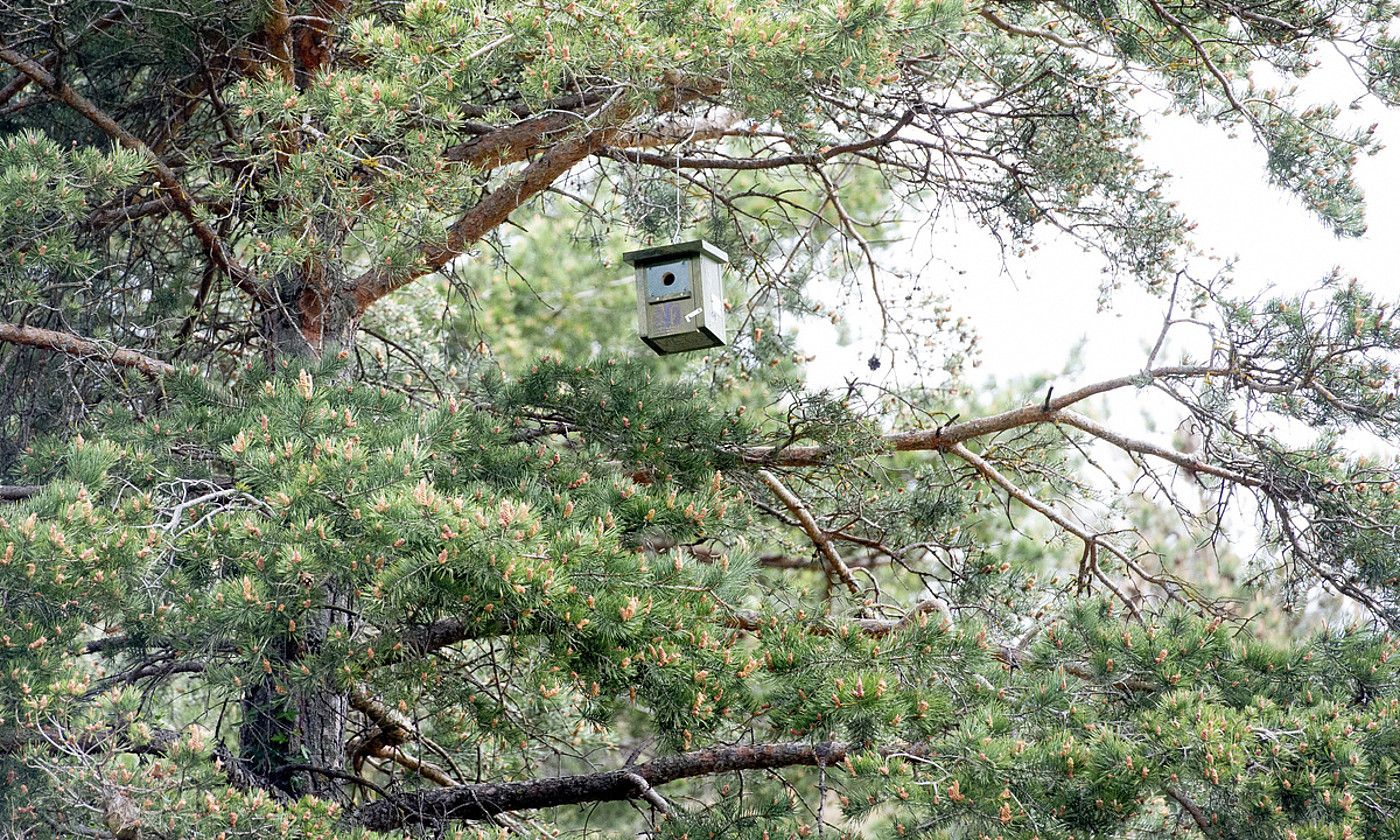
point(680, 296)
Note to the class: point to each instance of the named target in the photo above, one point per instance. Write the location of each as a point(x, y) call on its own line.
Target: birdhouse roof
point(662, 253)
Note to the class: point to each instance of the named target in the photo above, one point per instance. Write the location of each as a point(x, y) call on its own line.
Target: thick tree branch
point(517, 141)
point(17, 85)
point(214, 247)
point(277, 31)
point(512, 143)
point(394, 728)
point(391, 730)
point(567, 139)
point(420, 640)
point(426, 769)
point(481, 801)
point(945, 438)
point(82, 347)
point(496, 207)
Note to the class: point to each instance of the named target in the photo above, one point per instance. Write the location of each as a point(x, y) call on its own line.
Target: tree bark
point(481, 801)
point(309, 321)
point(284, 728)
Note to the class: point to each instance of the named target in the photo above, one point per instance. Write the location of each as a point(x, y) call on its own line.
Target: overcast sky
point(1031, 313)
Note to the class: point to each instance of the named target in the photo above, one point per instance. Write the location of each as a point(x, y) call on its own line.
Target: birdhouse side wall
point(641, 275)
point(711, 297)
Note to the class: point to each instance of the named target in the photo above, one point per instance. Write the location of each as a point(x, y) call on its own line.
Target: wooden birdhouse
point(680, 296)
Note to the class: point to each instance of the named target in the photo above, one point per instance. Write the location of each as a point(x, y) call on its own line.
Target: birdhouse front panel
point(668, 281)
point(680, 296)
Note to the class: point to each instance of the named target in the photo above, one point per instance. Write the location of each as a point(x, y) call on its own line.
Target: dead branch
point(834, 564)
point(84, 348)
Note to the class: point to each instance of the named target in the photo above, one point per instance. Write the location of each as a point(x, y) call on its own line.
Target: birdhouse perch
point(680, 296)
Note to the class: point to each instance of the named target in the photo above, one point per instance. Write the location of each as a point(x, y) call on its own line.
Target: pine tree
point(288, 554)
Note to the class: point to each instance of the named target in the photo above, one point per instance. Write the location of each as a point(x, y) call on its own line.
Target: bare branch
point(817, 158)
point(1188, 462)
point(944, 438)
point(834, 564)
point(1091, 541)
point(82, 347)
point(1027, 32)
point(481, 801)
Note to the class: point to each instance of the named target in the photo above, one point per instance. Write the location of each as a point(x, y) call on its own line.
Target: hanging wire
point(676, 233)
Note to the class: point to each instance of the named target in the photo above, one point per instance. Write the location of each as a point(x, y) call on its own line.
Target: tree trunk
point(308, 322)
point(287, 729)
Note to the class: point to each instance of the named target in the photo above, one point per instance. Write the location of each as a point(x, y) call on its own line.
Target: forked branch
point(835, 566)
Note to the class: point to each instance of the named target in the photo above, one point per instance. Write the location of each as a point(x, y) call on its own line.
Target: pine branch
point(568, 139)
point(84, 348)
point(495, 208)
point(214, 247)
point(1127, 444)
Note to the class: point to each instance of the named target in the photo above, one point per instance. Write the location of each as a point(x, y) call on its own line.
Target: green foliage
point(493, 540)
point(531, 553)
point(45, 192)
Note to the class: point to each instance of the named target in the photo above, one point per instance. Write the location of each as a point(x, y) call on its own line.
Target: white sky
point(1032, 314)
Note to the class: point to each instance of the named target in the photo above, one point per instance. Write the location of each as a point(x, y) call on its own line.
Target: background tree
point(323, 561)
